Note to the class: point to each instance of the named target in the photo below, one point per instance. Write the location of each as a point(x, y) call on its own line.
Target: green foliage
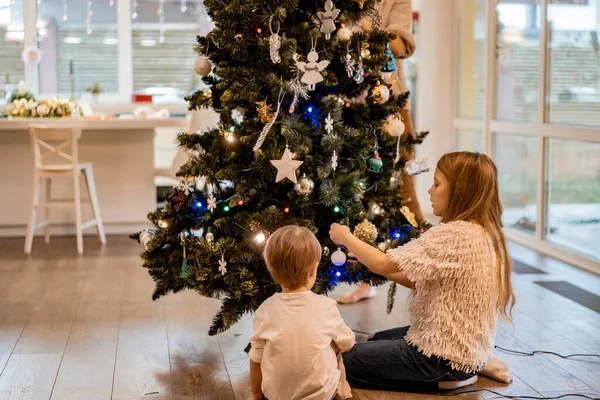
point(249, 202)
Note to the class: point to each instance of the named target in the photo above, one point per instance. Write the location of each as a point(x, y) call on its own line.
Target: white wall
point(434, 108)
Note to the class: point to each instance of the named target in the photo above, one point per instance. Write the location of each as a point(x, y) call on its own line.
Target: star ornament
point(286, 167)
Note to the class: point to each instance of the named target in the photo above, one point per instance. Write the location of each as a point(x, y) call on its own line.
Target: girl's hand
point(339, 233)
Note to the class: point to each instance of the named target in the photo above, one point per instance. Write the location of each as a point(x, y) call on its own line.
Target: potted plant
point(95, 89)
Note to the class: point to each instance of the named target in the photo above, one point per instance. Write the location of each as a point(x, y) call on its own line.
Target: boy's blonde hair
point(474, 196)
point(291, 253)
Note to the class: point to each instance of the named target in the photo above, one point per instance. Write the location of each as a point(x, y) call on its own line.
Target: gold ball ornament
point(380, 94)
point(366, 231)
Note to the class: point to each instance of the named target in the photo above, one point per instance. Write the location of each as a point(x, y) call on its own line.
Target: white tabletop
point(92, 124)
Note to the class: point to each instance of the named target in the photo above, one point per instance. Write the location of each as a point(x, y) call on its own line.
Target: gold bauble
point(366, 231)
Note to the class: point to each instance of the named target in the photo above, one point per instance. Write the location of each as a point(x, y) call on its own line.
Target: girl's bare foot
point(364, 291)
point(497, 370)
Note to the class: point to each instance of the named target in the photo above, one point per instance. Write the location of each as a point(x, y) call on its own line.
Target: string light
point(286, 210)
point(65, 10)
point(226, 208)
point(183, 6)
point(90, 14)
point(163, 224)
point(336, 209)
point(161, 20)
point(240, 202)
point(258, 30)
point(134, 6)
point(260, 238)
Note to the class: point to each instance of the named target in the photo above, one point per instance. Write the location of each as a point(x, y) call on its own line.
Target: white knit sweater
point(453, 307)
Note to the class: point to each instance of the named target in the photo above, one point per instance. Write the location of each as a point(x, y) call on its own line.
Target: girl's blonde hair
point(291, 253)
point(473, 196)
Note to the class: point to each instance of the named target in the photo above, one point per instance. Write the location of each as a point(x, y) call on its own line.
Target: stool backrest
point(55, 142)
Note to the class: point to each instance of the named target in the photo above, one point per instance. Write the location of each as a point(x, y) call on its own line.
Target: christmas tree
point(309, 134)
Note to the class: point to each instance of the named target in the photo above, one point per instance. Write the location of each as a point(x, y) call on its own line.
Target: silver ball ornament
point(338, 258)
point(202, 66)
point(145, 237)
point(304, 186)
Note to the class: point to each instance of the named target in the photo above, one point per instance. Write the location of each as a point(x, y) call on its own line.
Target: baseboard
point(111, 228)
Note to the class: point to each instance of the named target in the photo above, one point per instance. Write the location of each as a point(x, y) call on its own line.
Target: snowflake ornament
point(334, 161)
point(185, 187)
point(329, 123)
point(222, 265)
point(212, 203)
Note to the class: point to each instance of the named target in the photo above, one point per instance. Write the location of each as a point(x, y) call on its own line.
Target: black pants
point(387, 362)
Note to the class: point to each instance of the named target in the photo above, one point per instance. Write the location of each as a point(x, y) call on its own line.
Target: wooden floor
point(85, 328)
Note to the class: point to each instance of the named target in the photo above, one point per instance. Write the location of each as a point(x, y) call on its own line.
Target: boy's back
point(293, 340)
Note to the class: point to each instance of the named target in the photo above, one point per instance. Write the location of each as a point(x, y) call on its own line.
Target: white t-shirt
point(293, 340)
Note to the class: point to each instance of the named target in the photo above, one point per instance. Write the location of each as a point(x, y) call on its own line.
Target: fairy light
point(161, 20)
point(90, 14)
point(260, 238)
point(134, 6)
point(65, 10)
point(183, 6)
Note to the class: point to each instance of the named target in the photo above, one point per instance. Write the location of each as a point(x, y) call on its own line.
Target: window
point(12, 34)
point(471, 42)
point(573, 216)
point(78, 37)
point(518, 60)
point(574, 62)
point(516, 158)
point(469, 140)
point(163, 38)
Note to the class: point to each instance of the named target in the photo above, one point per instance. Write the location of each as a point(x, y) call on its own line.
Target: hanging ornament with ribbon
point(184, 265)
point(312, 69)
point(274, 42)
point(269, 125)
point(327, 18)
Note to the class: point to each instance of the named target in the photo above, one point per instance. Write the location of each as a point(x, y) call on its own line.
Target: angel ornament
point(328, 19)
point(312, 69)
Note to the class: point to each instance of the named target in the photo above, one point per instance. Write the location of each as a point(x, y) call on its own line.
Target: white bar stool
point(62, 144)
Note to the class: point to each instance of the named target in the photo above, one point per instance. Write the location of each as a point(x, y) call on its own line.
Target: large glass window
point(163, 37)
point(471, 47)
point(573, 217)
point(518, 57)
point(574, 62)
point(12, 35)
point(469, 140)
point(78, 43)
point(516, 159)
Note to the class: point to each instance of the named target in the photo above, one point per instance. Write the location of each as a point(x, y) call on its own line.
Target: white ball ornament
point(202, 66)
point(338, 258)
point(344, 34)
point(394, 126)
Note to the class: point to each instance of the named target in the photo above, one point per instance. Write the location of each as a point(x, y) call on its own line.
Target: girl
point(460, 275)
